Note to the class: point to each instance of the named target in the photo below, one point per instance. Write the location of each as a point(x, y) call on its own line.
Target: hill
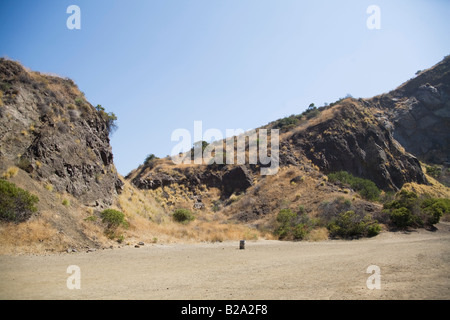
point(336, 164)
point(356, 136)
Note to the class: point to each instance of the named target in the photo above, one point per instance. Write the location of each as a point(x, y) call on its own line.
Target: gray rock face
point(420, 113)
point(354, 142)
point(49, 130)
point(422, 126)
point(236, 179)
point(229, 179)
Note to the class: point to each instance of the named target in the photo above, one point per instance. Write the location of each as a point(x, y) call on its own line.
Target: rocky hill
point(419, 113)
point(55, 145)
point(49, 130)
point(353, 138)
point(341, 161)
point(382, 140)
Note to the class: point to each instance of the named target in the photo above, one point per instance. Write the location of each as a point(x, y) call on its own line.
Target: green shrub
point(373, 230)
point(434, 209)
point(348, 224)
point(79, 101)
point(311, 114)
point(287, 122)
point(410, 210)
point(109, 117)
point(292, 225)
point(401, 217)
point(183, 215)
point(366, 188)
point(16, 204)
point(91, 218)
point(434, 171)
point(113, 218)
point(285, 219)
point(150, 158)
point(300, 231)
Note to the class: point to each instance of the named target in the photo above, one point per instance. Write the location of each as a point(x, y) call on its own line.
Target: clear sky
point(160, 65)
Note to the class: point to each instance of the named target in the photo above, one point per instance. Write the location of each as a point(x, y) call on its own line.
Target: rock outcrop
point(228, 179)
point(48, 129)
point(419, 111)
point(354, 140)
point(381, 139)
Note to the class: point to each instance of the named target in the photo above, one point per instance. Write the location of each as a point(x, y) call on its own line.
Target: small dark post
point(242, 244)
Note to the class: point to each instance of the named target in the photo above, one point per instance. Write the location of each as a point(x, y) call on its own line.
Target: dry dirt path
point(413, 266)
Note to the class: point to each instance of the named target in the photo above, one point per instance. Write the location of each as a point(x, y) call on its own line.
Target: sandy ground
point(413, 265)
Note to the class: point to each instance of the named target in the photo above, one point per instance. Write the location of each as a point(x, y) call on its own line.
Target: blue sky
point(161, 65)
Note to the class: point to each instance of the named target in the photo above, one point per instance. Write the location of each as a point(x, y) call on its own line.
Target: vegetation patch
point(366, 188)
point(109, 117)
point(434, 171)
point(293, 120)
point(113, 218)
point(16, 204)
point(293, 225)
point(288, 122)
point(348, 225)
point(410, 210)
point(11, 172)
point(183, 215)
point(150, 158)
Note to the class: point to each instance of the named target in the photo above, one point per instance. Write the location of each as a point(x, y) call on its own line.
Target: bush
point(285, 219)
point(311, 114)
point(366, 188)
point(183, 215)
point(373, 230)
point(401, 217)
point(434, 171)
point(16, 204)
point(287, 122)
point(292, 225)
point(408, 210)
point(300, 231)
point(434, 209)
point(351, 225)
point(113, 218)
point(109, 117)
point(150, 158)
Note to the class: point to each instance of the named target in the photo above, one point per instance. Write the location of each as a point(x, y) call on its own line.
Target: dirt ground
point(414, 265)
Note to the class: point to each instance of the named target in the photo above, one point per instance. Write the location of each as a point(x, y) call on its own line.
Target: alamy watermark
point(374, 20)
point(74, 20)
point(74, 280)
point(231, 150)
point(374, 280)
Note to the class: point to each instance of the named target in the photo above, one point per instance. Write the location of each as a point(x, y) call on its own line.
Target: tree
point(197, 145)
point(109, 117)
point(150, 158)
point(111, 122)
